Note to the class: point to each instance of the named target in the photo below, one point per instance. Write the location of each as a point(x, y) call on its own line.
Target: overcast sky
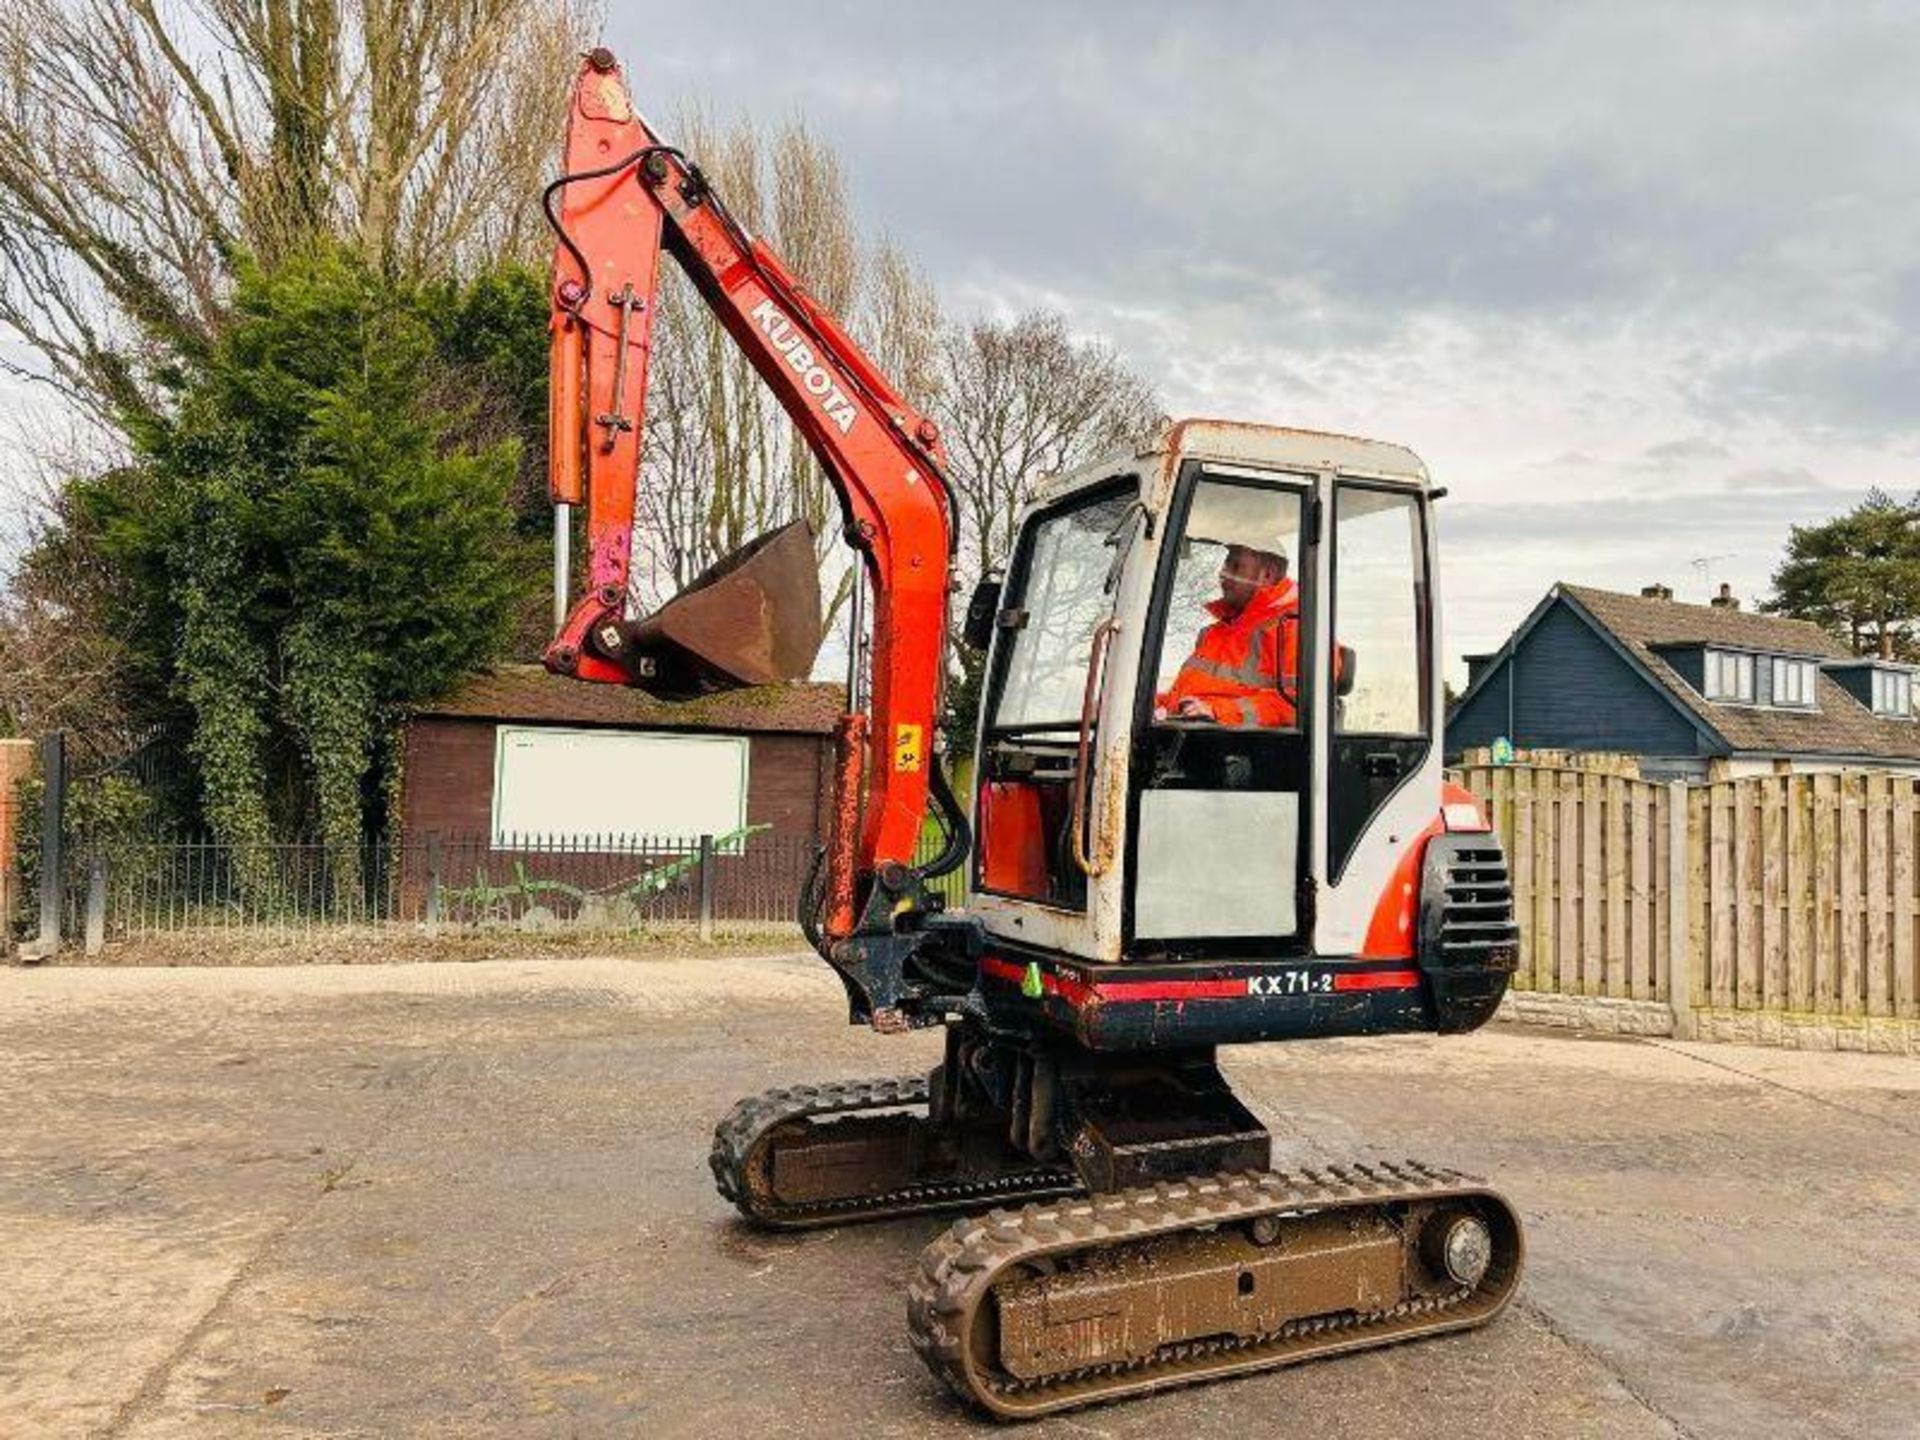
point(1641, 283)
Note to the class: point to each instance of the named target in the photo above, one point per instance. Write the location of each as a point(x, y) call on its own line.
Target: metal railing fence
point(138, 887)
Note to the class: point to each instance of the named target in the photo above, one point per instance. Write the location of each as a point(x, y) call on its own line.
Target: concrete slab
point(472, 1199)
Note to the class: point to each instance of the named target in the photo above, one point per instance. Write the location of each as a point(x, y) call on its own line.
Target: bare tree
point(1020, 399)
point(145, 144)
point(63, 665)
point(723, 463)
point(1017, 400)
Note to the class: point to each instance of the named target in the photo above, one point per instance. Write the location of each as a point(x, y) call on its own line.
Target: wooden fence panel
point(1773, 846)
point(1700, 889)
point(1743, 967)
point(1592, 886)
point(1826, 888)
point(1640, 878)
point(1800, 911)
point(1906, 963)
point(1878, 958)
point(1663, 936)
point(1802, 892)
point(1520, 855)
point(1852, 913)
point(1566, 973)
point(1546, 894)
point(1721, 895)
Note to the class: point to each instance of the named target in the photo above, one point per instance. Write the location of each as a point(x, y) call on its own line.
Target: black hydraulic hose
point(771, 281)
point(953, 821)
point(546, 205)
point(810, 901)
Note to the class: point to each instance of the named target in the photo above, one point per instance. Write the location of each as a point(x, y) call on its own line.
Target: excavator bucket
point(751, 619)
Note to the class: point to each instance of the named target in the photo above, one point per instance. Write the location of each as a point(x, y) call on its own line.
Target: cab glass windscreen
point(1233, 531)
point(1064, 598)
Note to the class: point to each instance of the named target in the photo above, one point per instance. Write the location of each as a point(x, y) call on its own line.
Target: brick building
point(521, 753)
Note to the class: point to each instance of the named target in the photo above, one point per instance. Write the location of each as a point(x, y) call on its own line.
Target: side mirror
point(982, 610)
point(1343, 676)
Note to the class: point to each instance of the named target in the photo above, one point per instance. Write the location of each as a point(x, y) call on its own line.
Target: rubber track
point(753, 1121)
point(959, 1270)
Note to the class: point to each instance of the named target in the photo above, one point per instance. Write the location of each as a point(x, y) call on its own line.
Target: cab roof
point(1234, 442)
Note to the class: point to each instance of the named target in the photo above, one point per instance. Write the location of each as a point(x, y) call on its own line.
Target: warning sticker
point(907, 747)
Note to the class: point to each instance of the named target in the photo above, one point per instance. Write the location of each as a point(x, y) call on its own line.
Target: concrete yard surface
point(472, 1199)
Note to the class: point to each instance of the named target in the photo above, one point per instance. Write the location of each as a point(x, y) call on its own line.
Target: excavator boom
point(625, 197)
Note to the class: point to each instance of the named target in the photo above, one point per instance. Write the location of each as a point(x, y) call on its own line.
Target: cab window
point(1233, 611)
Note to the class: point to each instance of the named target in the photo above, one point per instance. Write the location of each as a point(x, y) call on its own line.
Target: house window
point(1729, 676)
point(1892, 693)
point(1793, 682)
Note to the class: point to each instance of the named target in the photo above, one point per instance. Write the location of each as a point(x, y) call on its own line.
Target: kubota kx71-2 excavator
point(1144, 885)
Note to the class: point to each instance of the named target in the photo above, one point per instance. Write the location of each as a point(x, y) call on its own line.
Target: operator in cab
point(1244, 665)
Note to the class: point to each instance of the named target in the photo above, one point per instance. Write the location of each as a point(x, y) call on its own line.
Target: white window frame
point(1793, 682)
point(1892, 693)
point(1724, 666)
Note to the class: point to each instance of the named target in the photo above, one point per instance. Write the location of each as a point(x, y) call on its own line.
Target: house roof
point(1839, 725)
point(529, 693)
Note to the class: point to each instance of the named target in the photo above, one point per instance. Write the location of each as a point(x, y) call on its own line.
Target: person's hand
point(1191, 709)
point(1159, 712)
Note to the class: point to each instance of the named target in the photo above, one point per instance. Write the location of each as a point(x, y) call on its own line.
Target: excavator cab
point(1274, 833)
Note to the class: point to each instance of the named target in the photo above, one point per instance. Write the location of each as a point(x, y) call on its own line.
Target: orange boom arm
point(625, 197)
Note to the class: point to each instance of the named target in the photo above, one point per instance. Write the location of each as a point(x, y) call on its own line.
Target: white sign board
point(595, 788)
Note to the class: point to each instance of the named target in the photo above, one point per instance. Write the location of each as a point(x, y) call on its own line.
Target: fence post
point(53, 801)
point(1679, 953)
point(96, 903)
point(433, 883)
point(706, 888)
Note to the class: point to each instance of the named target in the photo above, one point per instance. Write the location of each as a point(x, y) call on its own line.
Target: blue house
point(1696, 692)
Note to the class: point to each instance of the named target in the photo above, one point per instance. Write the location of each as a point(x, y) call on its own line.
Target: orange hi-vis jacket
point(1239, 661)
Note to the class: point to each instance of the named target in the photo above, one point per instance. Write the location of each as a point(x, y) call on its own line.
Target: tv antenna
point(1704, 564)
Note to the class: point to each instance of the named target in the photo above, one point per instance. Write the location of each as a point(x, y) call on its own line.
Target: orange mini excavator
point(1145, 884)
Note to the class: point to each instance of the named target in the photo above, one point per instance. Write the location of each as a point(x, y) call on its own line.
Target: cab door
point(1383, 767)
point(1044, 747)
point(1222, 803)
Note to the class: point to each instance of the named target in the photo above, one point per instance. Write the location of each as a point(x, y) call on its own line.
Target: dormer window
point(1729, 677)
point(1892, 693)
point(1793, 682)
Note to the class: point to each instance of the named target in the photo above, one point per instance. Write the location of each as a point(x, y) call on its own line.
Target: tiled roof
point(528, 692)
point(1839, 725)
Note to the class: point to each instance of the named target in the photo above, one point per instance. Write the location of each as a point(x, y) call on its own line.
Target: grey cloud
point(1730, 176)
point(1687, 450)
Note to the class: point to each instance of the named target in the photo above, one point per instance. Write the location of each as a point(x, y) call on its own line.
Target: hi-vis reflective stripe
point(1249, 671)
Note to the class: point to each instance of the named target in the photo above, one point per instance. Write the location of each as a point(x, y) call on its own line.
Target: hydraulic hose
point(546, 205)
point(953, 821)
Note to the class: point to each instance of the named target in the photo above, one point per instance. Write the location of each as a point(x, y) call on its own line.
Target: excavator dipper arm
point(624, 198)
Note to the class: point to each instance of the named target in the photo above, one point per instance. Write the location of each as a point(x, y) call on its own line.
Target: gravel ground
point(472, 1199)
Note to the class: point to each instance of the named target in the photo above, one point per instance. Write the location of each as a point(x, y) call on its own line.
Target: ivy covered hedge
point(111, 816)
point(322, 532)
